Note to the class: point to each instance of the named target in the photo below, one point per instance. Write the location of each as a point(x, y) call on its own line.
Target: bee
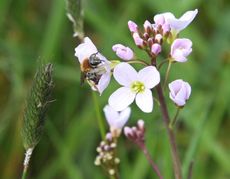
point(89, 69)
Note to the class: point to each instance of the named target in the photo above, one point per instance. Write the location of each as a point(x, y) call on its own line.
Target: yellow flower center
point(137, 87)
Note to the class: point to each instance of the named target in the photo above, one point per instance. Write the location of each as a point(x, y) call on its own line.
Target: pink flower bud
point(147, 26)
point(132, 26)
point(137, 39)
point(180, 49)
point(128, 131)
point(141, 124)
point(123, 52)
point(158, 38)
point(156, 48)
point(179, 92)
point(166, 28)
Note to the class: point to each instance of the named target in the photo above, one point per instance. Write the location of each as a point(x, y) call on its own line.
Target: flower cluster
point(107, 155)
point(137, 133)
point(136, 85)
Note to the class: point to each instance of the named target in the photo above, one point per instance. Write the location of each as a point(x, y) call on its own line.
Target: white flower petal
point(123, 118)
point(174, 87)
point(188, 89)
point(103, 82)
point(124, 74)
point(160, 19)
point(145, 101)
point(121, 98)
point(85, 49)
point(149, 76)
point(111, 115)
point(183, 21)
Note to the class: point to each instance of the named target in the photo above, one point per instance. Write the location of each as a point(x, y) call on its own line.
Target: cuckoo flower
point(179, 92)
point(135, 86)
point(115, 119)
point(123, 52)
point(175, 24)
point(94, 66)
point(180, 49)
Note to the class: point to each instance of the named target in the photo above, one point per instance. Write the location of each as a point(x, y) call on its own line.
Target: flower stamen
point(137, 87)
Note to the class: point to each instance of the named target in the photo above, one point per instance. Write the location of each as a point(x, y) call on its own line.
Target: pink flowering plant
point(159, 39)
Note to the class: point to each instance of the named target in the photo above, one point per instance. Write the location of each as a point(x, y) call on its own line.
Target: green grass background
point(33, 30)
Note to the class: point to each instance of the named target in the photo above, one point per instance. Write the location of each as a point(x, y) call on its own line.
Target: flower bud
point(147, 26)
point(123, 52)
point(156, 48)
point(158, 38)
point(179, 92)
point(180, 49)
point(137, 39)
point(132, 26)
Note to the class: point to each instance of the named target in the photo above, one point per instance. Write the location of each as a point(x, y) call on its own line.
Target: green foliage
point(32, 29)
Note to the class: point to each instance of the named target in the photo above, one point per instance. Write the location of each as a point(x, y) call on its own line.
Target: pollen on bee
point(85, 66)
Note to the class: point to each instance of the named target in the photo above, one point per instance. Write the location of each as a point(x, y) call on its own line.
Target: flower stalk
point(148, 157)
point(171, 135)
point(173, 122)
point(100, 120)
point(167, 73)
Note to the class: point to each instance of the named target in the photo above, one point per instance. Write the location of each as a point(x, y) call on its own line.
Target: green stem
point(138, 61)
point(24, 173)
point(173, 122)
point(162, 63)
point(98, 115)
point(167, 74)
point(28, 154)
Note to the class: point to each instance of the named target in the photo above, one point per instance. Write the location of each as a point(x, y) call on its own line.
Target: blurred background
point(39, 30)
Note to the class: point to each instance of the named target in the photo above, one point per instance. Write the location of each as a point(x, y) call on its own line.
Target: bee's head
point(94, 60)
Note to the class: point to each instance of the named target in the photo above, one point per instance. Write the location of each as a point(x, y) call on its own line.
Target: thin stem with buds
point(172, 140)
